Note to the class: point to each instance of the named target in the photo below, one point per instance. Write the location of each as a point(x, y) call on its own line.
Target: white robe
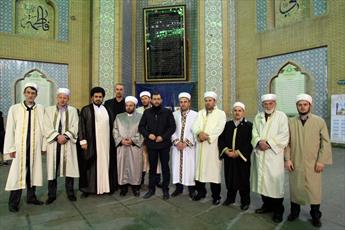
point(102, 145)
point(267, 171)
point(208, 164)
point(183, 164)
point(68, 155)
point(15, 141)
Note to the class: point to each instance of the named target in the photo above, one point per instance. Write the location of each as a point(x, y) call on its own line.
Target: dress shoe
point(84, 195)
point(166, 196)
point(216, 201)
point(227, 202)
point(35, 202)
point(192, 194)
point(262, 210)
point(13, 208)
point(123, 193)
point(50, 200)
point(292, 216)
point(277, 218)
point(197, 197)
point(316, 222)
point(244, 207)
point(136, 193)
point(72, 198)
point(176, 193)
point(148, 194)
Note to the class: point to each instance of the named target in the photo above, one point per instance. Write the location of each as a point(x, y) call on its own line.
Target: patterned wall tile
point(313, 61)
point(7, 11)
point(126, 57)
point(13, 70)
point(261, 15)
point(319, 7)
point(106, 46)
point(232, 54)
point(214, 48)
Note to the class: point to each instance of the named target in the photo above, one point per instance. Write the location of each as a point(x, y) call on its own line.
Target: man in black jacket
point(157, 126)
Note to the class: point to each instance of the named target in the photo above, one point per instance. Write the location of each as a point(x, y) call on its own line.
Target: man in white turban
point(270, 136)
point(23, 145)
point(61, 130)
point(305, 160)
point(183, 149)
point(129, 144)
point(235, 149)
point(208, 126)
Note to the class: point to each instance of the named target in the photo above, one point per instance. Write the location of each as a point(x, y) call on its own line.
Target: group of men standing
point(119, 142)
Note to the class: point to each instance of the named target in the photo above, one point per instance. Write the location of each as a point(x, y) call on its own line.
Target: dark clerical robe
point(87, 131)
point(236, 170)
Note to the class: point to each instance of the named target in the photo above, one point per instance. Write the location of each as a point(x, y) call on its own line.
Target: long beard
point(269, 111)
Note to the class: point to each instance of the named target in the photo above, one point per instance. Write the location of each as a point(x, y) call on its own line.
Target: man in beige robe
point(207, 128)
point(23, 145)
point(129, 144)
point(270, 135)
point(308, 151)
point(61, 129)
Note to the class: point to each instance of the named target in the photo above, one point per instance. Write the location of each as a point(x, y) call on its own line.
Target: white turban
point(184, 94)
point(239, 104)
point(304, 97)
point(131, 99)
point(145, 93)
point(210, 94)
point(268, 97)
point(64, 91)
point(30, 84)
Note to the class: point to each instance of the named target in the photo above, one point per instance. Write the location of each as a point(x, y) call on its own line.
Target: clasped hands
point(202, 136)
point(153, 137)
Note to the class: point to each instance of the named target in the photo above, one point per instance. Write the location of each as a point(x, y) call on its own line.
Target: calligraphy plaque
point(35, 18)
point(289, 11)
point(165, 49)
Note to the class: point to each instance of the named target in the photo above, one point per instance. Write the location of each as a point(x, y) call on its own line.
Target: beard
point(303, 113)
point(269, 111)
point(130, 111)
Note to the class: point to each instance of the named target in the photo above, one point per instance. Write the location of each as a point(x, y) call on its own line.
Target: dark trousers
point(179, 188)
point(215, 189)
point(314, 210)
point(273, 204)
point(52, 187)
point(163, 155)
point(244, 194)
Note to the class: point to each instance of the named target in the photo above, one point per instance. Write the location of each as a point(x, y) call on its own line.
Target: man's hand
point(203, 136)
point(126, 142)
point(61, 139)
point(231, 153)
point(319, 167)
point(13, 155)
point(181, 146)
point(263, 145)
point(159, 139)
point(289, 165)
point(152, 137)
point(84, 147)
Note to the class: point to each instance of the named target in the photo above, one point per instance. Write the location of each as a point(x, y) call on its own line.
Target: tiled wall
point(313, 61)
point(12, 70)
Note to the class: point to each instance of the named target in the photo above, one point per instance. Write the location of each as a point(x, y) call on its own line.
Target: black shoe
point(316, 222)
point(13, 208)
point(148, 194)
point(197, 197)
point(277, 218)
point(192, 194)
point(227, 202)
point(244, 207)
point(84, 195)
point(123, 193)
point(50, 200)
point(72, 198)
point(262, 210)
point(35, 202)
point(166, 195)
point(292, 216)
point(176, 193)
point(136, 193)
point(216, 201)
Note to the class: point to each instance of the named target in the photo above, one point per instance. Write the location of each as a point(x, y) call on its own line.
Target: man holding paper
point(235, 149)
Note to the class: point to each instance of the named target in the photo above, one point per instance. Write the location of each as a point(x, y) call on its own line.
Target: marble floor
point(129, 212)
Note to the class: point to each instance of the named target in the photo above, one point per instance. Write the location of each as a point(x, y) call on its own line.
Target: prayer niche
point(35, 18)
